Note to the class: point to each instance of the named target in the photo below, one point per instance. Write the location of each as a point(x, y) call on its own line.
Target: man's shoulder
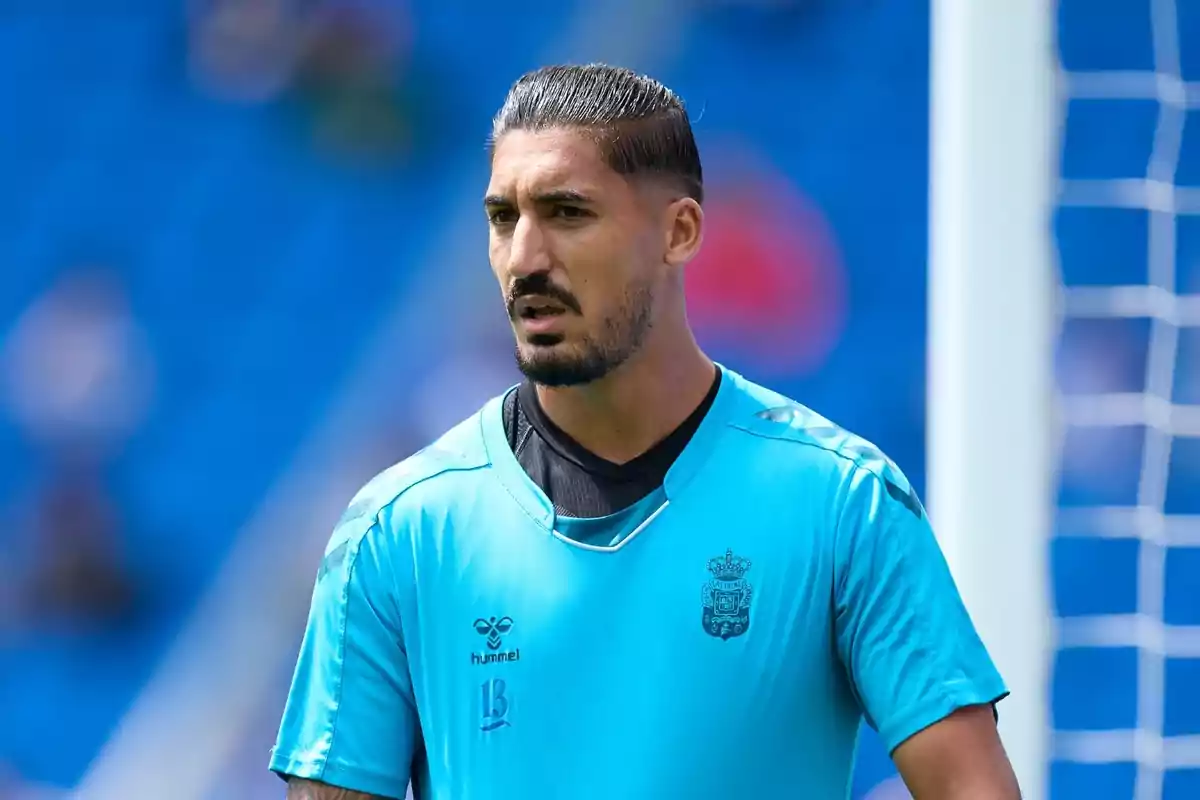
point(768, 415)
point(460, 450)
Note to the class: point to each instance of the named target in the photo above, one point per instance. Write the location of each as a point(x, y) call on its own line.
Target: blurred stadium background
point(243, 268)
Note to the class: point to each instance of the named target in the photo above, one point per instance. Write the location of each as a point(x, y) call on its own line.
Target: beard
point(549, 361)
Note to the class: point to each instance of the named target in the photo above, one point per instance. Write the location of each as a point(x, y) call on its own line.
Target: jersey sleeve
point(350, 718)
point(908, 645)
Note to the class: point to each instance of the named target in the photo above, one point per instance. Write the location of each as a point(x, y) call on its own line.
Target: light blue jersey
point(723, 640)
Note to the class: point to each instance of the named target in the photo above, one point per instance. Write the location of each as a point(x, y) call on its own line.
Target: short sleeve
point(909, 647)
point(350, 719)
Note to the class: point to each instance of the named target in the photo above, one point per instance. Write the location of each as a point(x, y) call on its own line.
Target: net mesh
point(1125, 693)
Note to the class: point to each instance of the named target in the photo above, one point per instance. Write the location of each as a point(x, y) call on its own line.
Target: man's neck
point(634, 407)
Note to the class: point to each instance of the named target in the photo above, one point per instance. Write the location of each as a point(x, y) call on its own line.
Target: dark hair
point(641, 125)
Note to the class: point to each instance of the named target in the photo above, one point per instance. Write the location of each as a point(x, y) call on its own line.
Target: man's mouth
point(533, 308)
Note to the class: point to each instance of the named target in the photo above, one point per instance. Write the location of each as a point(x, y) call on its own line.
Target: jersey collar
point(534, 501)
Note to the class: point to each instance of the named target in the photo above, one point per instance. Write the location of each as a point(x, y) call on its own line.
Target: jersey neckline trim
point(533, 500)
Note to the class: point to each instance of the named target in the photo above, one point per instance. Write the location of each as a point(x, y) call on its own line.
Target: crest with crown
point(728, 568)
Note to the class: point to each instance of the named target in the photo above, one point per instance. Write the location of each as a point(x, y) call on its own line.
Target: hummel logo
point(494, 629)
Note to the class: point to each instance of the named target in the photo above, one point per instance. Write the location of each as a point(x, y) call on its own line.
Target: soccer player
point(637, 574)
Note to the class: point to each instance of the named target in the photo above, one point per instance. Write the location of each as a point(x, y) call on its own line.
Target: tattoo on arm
point(299, 789)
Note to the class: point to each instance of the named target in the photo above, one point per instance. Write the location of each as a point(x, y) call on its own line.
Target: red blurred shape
point(767, 290)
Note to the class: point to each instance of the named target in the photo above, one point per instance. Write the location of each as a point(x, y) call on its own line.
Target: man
point(636, 575)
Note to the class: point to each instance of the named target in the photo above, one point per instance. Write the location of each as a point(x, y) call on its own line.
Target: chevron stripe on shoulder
point(803, 424)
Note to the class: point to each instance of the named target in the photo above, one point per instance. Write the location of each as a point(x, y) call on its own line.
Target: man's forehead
point(526, 162)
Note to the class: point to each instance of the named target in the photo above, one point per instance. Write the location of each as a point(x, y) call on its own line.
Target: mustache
point(539, 284)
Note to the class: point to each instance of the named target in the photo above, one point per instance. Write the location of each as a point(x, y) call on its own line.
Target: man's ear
point(683, 225)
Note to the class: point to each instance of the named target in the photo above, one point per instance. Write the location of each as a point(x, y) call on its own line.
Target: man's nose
point(529, 253)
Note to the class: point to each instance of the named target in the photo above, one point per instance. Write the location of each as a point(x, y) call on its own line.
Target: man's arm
point(922, 676)
point(959, 757)
point(350, 720)
point(299, 789)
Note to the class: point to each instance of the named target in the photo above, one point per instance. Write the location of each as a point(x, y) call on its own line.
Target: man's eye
point(569, 212)
point(501, 216)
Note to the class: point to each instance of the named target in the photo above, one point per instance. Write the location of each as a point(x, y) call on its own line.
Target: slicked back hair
point(640, 125)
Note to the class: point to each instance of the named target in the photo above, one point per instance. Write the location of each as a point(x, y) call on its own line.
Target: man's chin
point(552, 365)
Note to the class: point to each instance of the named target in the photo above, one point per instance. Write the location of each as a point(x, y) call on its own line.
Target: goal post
point(992, 289)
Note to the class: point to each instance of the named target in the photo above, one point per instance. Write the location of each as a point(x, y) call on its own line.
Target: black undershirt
point(577, 481)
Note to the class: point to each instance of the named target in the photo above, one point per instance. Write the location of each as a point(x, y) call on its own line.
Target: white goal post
point(992, 289)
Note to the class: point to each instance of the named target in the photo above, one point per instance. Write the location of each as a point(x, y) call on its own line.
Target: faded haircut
point(640, 125)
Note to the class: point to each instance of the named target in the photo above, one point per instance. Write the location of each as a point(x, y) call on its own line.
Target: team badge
point(726, 597)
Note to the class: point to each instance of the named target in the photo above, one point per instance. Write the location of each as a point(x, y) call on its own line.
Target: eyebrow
point(556, 196)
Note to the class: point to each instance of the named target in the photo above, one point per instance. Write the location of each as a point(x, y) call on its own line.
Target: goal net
point(1125, 555)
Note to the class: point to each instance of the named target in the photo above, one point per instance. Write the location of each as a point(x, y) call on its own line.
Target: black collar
point(652, 464)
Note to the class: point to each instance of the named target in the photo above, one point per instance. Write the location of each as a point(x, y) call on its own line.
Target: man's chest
point(700, 626)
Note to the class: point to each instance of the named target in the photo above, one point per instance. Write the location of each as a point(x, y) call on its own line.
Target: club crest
point(726, 597)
